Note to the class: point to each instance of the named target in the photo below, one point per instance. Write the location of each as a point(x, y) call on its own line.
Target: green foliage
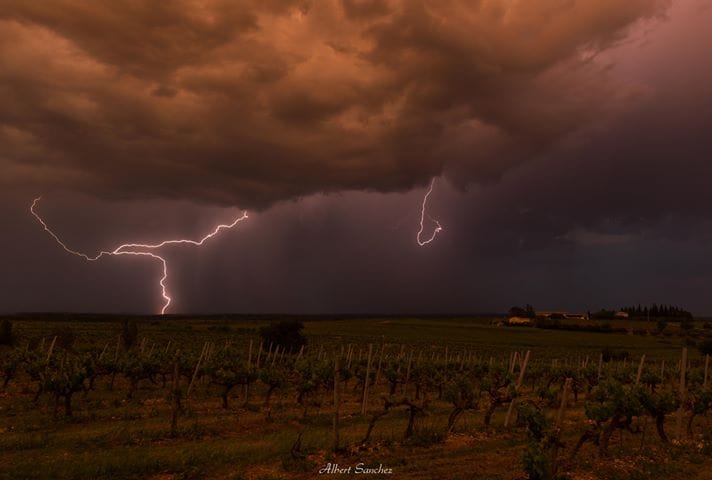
point(394, 373)
point(535, 463)
point(462, 392)
point(274, 377)
point(227, 368)
point(611, 354)
point(9, 365)
point(286, 333)
point(66, 377)
point(540, 458)
point(612, 399)
point(65, 337)
point(700, 401)
point(657, 403)
point(533, 419)
point(7, 336)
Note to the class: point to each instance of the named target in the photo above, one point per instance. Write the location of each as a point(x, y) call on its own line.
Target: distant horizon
point(336, 315)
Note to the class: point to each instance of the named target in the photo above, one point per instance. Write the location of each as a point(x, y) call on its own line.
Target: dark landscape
point(97, 396)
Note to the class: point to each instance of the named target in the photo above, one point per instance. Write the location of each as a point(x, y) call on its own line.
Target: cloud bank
point(253, 102)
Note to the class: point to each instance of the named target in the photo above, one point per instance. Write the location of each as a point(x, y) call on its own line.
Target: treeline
point(656, 311)
point(526, 312)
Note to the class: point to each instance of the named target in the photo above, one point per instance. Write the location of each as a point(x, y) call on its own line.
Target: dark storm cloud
point(250, 103)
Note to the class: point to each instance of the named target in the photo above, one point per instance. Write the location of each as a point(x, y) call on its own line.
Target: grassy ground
point(436, 333)
point(110, 437)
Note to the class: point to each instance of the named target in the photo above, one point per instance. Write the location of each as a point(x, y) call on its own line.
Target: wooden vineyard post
point(513, 361)
point(640, 370)
point(175, 400)
point(407, 372)
point(564, 401)
point(553, 454)
point(337, 400)
point(380, 364)
point(274, 356)
point(103, 351)
point(600, 365)
point(195, 371)
point(364, 401)
point(518, 386)
point(51, 347)
point(259, 355)
point(269, 353)
point(246, 388)
point(681, 410)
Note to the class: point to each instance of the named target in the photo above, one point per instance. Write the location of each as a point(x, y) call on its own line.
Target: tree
point(526, 312)
point(285, 333)
point(6, 335)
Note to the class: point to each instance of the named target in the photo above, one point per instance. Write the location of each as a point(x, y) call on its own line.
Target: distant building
point(621, 314)
point(519, 321)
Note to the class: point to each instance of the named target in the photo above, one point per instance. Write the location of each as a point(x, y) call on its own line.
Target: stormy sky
point(571, 140)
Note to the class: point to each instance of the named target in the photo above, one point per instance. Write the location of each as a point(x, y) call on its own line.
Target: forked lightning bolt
point(438, 227)
point(131, 248)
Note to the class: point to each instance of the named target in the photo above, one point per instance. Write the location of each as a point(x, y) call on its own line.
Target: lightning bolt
point(438, 227)
point(136, 248)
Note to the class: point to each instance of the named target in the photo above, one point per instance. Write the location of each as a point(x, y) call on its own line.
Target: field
point(203, 398)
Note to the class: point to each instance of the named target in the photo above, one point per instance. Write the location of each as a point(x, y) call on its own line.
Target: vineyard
point(467, 400)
